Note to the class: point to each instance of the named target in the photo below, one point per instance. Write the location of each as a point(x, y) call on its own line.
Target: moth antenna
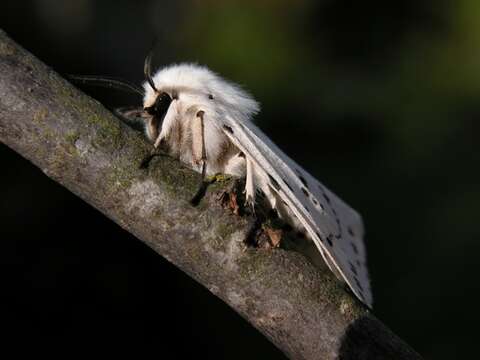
point(147, 68)
point(107, 82)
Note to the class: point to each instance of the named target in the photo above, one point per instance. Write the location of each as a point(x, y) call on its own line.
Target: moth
point(206, 122)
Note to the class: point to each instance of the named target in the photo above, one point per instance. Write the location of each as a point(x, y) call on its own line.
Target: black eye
point(160, 107)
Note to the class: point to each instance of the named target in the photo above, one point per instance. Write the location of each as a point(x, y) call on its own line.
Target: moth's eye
point(160, 107)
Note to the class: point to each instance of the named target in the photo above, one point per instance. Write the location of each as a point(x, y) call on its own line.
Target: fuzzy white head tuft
point(198, 81)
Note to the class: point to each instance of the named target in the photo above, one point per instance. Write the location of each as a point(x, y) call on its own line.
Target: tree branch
point(303, 310)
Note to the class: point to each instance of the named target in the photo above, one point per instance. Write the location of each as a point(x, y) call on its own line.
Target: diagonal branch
point(76, 141)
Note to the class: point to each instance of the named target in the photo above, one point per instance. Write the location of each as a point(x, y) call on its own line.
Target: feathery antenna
point(107, 82)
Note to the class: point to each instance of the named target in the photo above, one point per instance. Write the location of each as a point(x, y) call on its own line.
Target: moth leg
point(151, 132)
point(199, 154)
point(151, 128)
point(250, 185)
point(158, 140)
point(146, 161)
point(198, 143)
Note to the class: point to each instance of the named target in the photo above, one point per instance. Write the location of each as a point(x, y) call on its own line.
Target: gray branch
point(304, 311)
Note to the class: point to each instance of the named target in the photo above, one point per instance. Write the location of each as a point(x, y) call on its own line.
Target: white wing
point(336, 229)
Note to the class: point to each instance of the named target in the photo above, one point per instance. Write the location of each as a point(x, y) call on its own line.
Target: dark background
point(378, 99)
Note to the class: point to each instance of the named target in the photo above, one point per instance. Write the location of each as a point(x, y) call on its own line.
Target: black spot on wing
point(241, 154)
point(260, 194)
point(353, 268)
point(354, 248)
point(326, 198)
point(288, 185)
point(350, 231)
point(334, 211)
point(304, 182)
point(305, 192)
point(358, 284)
point(301, 178)
point(317, 204)
point(330, 240)
point(228, 128)
point(274, 182)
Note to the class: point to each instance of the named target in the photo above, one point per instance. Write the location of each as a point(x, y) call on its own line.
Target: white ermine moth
point(206, 122)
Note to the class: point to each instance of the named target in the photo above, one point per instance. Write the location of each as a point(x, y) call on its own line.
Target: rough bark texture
point(304, 311)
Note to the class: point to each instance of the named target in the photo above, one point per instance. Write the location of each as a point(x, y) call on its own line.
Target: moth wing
point(336, 229)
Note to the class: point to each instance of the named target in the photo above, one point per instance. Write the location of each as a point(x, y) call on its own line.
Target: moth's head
point(156, 100)
point(191, 84)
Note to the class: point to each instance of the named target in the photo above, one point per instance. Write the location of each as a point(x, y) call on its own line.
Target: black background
point(379, 100)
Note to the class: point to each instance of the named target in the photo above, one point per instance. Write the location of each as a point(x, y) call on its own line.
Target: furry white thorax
point(195, 89)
